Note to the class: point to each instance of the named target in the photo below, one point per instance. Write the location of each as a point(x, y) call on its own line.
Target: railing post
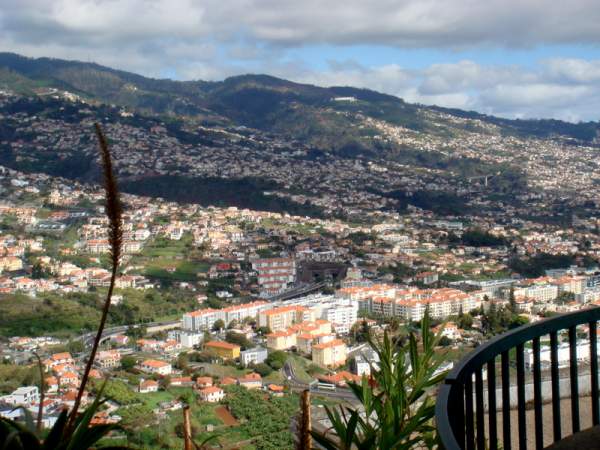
point(574, 379)
point(470, 430)
point(479, 412)
point(537, 396)
point(521, 397)
point(492, 413)
point(506, 437)
point(555, 386)
point(594, 371)
point(457, 419)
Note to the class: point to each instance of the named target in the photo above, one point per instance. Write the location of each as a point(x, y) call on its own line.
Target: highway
point(298, 385)
point(296, 292)
point(88, 338)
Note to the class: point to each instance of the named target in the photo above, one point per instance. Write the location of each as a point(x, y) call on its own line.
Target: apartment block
point(281, 318)
point(275, 274)
point(330, 354)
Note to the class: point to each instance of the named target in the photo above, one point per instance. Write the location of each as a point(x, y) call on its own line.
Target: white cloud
point(211, 39)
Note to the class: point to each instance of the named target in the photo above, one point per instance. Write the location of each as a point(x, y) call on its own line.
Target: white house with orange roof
point(155, 366)
point(108, 359)
point(147, 386)
point(449, 330)
point(305, 341)
point(251, 381)
point(63, 358)
point(68, 379)
point(211, 394)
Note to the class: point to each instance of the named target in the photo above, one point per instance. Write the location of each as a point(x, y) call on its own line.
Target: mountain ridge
point(338, 151)
point(257, 100)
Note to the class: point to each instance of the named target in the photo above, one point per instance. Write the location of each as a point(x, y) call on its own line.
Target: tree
point(565, 297)
point(362, 331)
point(183, 361)
point(394, 324)
point(37, 271)
point(465, 321)
point(263, 331)
point(263, 369)
point(137, 331)
point(445, 341)
point(517, 321)
point(164, 382)
point(218, 325)
point(75, 346)
point(239, 339)
point(396, 406)
point(232, 324)
point(276, 359)
point(251, 321)
point(128, 362)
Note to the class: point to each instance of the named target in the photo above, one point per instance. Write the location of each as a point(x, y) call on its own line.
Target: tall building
point(281, 318)
point(203, 319)
point(330, 354)
point(411, 303)
point(275, 275)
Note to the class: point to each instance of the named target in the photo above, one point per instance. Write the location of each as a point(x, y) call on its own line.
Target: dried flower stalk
point(114, 211)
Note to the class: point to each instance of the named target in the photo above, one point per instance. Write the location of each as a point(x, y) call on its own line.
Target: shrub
point(396, 409)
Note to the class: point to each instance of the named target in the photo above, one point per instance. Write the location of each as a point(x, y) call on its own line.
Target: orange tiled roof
point(334, 343)
point(222, 344)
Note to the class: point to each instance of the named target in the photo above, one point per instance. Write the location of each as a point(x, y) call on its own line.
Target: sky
point(511, 58)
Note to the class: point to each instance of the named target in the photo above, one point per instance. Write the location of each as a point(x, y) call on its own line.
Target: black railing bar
point(594, 372)
point(574, 379)
point(537, 396)
point(492, 410)
point(469, 416)
point(442, 419)
point(495, 346)
point(556, 419)
point(479, 410)
point(522, 423)
point(506, 436)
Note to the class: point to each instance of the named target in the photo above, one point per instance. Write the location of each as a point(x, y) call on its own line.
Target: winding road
point(298, 385)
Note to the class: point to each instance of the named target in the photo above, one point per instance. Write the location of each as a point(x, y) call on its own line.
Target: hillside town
point(481, 161)
point(211, 299)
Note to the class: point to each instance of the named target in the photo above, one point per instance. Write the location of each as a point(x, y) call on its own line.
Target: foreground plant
point(16, 436)
point(113, 210)
point(74, 431)
point(396, 406)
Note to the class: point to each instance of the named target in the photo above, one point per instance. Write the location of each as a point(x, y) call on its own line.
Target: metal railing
point(467, 416)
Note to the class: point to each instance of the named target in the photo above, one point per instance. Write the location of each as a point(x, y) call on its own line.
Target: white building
point(156, 366)
point(255, 355)
point(563, 355)
point(187, 339)
point(211, 394)
point(24, 396)
point(537, 292)
point(203, 319)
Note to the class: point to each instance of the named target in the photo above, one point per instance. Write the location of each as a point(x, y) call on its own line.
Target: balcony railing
point(471, 402)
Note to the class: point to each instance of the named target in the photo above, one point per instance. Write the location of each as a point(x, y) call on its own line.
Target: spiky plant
point(396, 406)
